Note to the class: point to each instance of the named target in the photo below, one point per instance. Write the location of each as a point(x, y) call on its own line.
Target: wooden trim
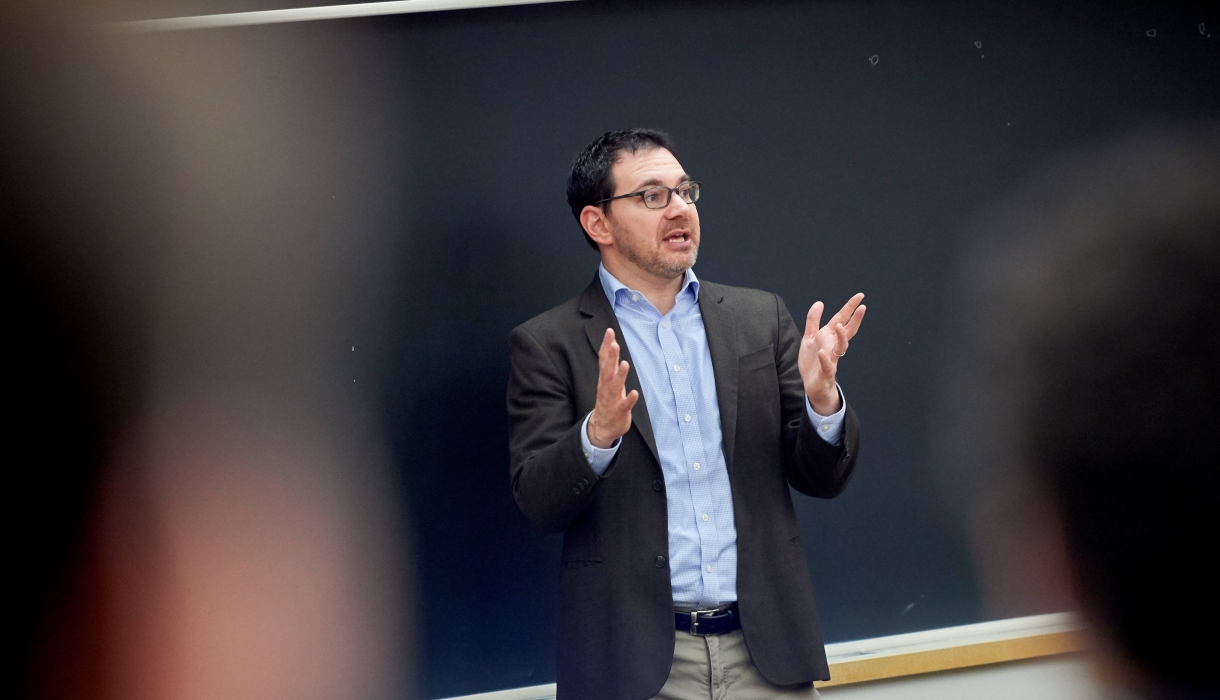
point(965, 656)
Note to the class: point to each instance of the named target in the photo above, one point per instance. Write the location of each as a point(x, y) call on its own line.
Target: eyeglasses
point(658, 197)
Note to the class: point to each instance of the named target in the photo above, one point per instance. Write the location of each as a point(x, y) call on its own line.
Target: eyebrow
point(650, 182)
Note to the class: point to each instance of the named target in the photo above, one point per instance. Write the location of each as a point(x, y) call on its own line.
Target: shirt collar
point(611, 285)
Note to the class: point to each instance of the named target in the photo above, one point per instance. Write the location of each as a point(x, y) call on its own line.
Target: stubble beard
point(653, 260)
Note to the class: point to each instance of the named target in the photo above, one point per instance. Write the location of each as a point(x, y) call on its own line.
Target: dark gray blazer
point(616, 627)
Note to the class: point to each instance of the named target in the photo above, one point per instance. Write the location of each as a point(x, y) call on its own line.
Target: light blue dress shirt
point(670, 357)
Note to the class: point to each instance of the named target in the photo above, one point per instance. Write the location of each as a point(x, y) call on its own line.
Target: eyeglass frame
point(668, 199)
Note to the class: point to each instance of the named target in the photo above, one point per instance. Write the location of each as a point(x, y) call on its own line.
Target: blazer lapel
point(721, 332)
point(600, 316)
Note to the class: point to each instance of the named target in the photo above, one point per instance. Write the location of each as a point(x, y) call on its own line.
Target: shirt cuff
point(599, 459)
point(829, 428)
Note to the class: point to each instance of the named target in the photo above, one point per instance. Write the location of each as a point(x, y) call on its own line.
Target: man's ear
point(593, 219)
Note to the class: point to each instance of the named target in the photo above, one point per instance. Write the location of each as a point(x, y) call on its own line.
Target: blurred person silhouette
point(1083, 396)
point(199, 502)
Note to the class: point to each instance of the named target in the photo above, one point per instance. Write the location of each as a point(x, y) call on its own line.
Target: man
point(1083, 393)
point(682, 574)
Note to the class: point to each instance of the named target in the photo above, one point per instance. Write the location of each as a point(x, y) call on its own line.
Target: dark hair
point(590, 180)
point(1088, 367)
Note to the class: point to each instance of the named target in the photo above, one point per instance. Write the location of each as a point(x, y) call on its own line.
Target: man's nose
point(677, 206)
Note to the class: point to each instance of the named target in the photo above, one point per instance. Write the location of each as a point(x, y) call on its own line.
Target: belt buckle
point(694, 620)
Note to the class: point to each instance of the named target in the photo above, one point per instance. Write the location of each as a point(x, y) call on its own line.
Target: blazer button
point(576, 490)
point(660, 562)
point(657, 485)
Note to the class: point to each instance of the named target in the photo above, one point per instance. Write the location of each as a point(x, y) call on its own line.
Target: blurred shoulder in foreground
point(1082, 390)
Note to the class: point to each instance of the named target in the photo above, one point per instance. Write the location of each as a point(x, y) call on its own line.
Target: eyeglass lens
point(658, 197)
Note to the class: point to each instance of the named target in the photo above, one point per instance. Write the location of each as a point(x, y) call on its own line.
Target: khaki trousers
point(718, 667)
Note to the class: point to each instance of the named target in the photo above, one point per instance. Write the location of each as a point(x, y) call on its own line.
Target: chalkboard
point(842, 147)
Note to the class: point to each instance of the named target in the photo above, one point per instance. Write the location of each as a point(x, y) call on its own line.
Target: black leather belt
point(716, 621)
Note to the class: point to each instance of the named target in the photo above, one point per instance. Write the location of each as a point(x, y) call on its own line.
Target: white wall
point(1046, 678)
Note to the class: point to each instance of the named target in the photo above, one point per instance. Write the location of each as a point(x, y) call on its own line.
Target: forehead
point(655, 165)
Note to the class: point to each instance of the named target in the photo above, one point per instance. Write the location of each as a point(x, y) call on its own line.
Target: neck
point(659, 291)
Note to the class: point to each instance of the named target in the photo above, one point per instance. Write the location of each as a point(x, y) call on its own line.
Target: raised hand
point(611, 417)
point(821, 349)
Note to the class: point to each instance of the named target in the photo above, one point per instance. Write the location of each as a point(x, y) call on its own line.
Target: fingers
point(612, 413)
point(826, 363)
point(612, 372)
point(607, 356)
point(620, 378)
point(853, 325)
point(845, 313)
point(632, 398)
point(813, 319)
point(609, 345)
point(841, 338)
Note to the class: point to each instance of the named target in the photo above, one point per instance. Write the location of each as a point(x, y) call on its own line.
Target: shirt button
point(709, 568)
point(696, 466)
point(687, 417)
point(659, 562)
point(677, 368)
point(825, 427)
point(705, 517)
point(635, 297)
point(664, 324)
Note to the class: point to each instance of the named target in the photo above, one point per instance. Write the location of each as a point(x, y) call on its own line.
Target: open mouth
point(678, 237)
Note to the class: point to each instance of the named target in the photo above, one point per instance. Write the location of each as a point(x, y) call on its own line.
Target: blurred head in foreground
point(1083, 386)
point(197, 233)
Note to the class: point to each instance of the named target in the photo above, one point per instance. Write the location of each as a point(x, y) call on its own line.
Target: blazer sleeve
point(813, 466)
point(552, 481)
